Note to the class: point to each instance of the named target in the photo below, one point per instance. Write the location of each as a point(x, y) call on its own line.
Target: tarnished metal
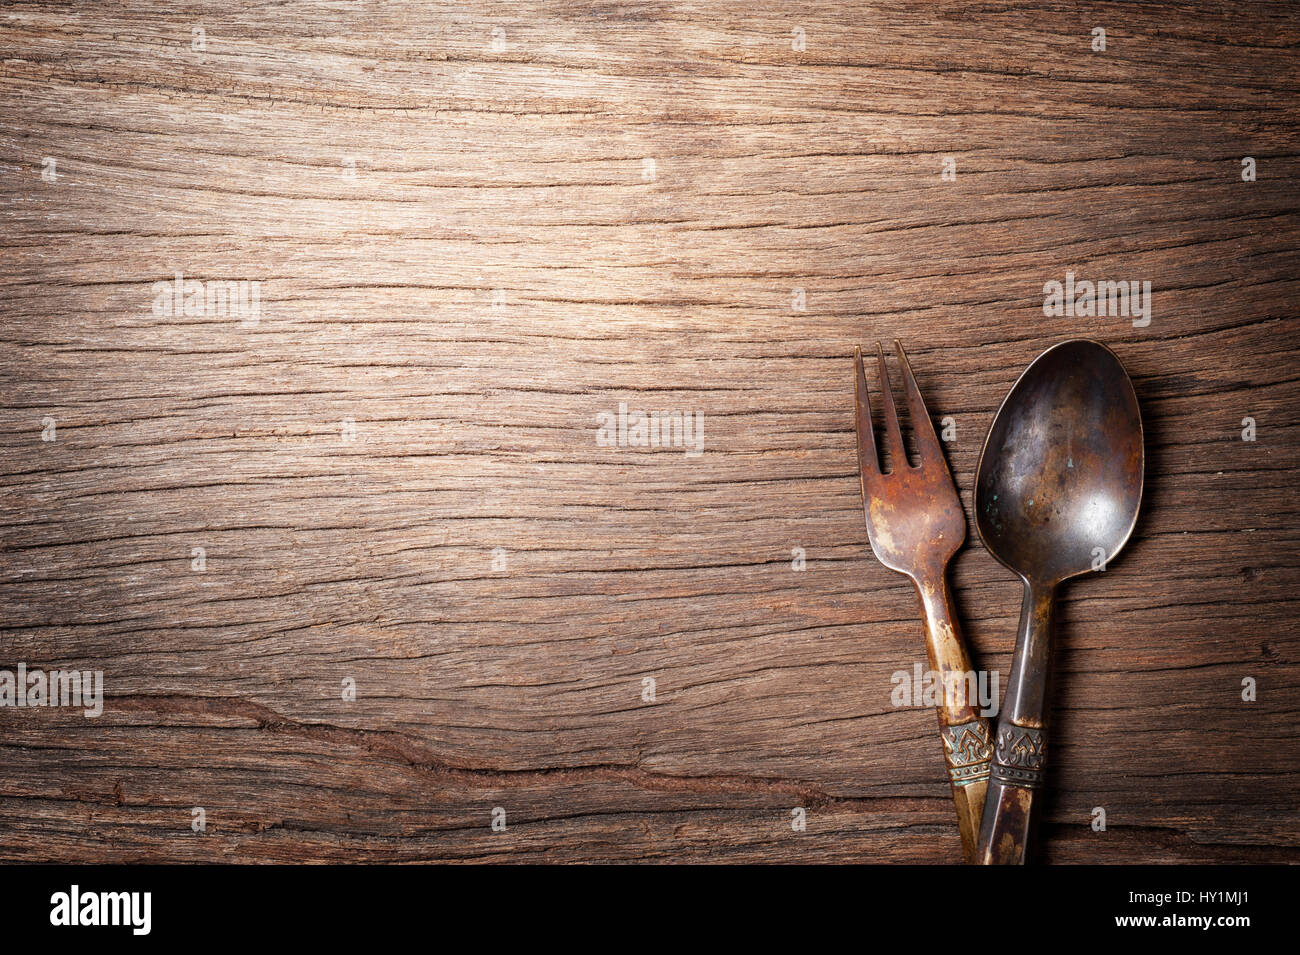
point(915, 523)
point(1057, 492)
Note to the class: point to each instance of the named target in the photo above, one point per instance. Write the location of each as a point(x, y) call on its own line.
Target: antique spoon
point(1057, 491)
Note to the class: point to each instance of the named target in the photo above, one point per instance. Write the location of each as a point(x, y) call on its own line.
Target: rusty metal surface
point(915, 523)
point(1057, 493)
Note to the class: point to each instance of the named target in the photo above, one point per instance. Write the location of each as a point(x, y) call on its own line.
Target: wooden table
point(478, 229)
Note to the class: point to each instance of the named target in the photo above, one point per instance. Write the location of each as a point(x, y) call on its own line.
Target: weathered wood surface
point(523, 169)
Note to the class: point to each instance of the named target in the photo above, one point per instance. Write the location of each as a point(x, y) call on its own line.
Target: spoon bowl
point(1057, 491)
point(1059, 480)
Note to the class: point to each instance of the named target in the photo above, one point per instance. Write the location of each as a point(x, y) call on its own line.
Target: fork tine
point(897, 453)
point(868, 463)
point(927, 443)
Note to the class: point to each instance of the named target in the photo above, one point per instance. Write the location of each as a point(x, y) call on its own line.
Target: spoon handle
point(1020, 746)
point(967, 748)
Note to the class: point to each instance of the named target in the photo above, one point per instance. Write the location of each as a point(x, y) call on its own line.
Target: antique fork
point(915, 523)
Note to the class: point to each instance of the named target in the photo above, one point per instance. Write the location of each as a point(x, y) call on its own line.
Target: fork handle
point(965, 734)
point(1020, 750)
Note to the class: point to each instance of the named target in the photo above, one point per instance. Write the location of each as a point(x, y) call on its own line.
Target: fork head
point(914, 516)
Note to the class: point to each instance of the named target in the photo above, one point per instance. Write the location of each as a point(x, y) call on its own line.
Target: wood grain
point(505, 266)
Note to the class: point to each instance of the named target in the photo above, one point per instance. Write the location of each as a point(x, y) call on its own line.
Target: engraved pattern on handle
point(1021, 756)
point(968, 750)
